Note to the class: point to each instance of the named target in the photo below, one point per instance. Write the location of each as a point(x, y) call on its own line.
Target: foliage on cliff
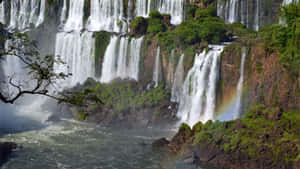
point(122, 97)
point(286, 38)
point(262, 133)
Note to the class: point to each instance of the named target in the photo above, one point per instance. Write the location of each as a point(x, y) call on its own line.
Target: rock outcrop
point(6, 149)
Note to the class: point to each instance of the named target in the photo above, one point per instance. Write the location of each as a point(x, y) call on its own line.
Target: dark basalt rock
point(6, 149)
point(160, 143)
point(191, 159)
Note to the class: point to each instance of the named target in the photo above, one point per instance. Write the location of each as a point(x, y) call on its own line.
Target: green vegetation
point(208, 29)
point(127, 96)
point(261, 129)
point(185, 130)
point(285, 38)
point(139, 26)
point(155, 23)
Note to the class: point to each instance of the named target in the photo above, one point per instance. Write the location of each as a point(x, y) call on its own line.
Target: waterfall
point(104, 15)
point(27, 112)
point(12, 68)
point(239, 89)
point(229, 10)
point(156, 68)
point(178, 80)
point(74, 21)
point(198, 99)
point(121, 59)
point(107, 15)
point(76, 50)
point(174, 8)
point(142, 8)
point(63, 15)
point(41, 13)
point(2, 12)
point(233, 14)
point(238, 11)
point(286, 2)
point(256, 17)
point(23, 14)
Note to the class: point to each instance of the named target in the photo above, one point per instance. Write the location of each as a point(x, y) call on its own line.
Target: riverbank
point(263, 139)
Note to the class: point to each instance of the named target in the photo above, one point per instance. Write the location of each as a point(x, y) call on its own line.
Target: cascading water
point(256, 16)
point(198, 99)
point(286, 2)
point(2, 13)
point(63, 15)
point(23, 14)
point(239, 89)
point(143, 8)
point(107, 15)
point(74, 20)
point(74, 46)
point(238, 11)
point(175, 8)
point(170, 71)
point(27, 113)
point(178, 80)
point(233, 11)
point(156, 68)
point(121, 59)
point(76, 50)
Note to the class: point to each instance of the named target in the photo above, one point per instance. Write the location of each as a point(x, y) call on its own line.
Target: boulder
point(162, 142)
point(6, 149)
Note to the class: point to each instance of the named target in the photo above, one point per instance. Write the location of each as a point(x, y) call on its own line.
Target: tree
point(40, 73)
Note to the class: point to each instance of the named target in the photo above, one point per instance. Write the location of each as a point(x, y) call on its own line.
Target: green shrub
point(257, 130)
point(155, 15)
point(127, 96)
point(139, 26)
point(208, 12)
point(285, 38)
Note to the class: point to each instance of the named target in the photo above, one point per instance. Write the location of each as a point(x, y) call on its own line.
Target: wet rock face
point(6, 149)
point(266, 81)
point(160, 143)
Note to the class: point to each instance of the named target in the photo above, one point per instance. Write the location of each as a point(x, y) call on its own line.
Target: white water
point(286, 2)
point(238, 11)
point(2, 12)
point(174, 8)
point(41, 13)
point(143, 8)
point(233, 11)
point(156, 69)
point(63, 15)
point(178, 80)
point(121, 59)
point(107, 15)
point(77, 51)
point(24, 14)
point(75, 16)
point(27, 112)
point(199, 89)
point(239, 89)
point(256, 17)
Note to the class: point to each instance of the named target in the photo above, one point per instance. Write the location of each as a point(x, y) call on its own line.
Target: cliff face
point(266, 80)
point(269, 83)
